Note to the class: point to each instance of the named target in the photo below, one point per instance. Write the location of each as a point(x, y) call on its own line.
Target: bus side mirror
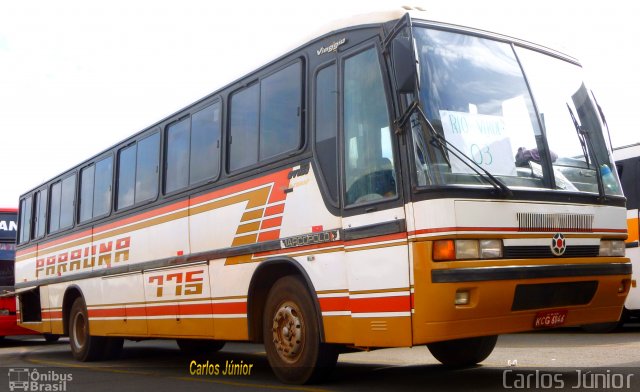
point(405, 65)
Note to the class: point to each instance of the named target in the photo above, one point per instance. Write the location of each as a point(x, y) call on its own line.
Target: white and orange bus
point(393, 182)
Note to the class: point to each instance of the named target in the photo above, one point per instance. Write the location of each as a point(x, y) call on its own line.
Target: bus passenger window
point(40, 213)
point(369, 161)
point(138, 171)
point(205, 144)
point(25, 219)
point(280, 99)
point(62, 204)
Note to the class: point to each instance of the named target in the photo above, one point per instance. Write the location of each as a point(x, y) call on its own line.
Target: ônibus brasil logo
point(32, 380)
point(558, 244)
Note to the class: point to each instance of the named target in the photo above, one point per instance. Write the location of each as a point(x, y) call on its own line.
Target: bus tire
point(84, 347)
point(463, 352)
point(199, 346)
point(50, 338)
point(291, 334)
point(112, 348)
point(601, 327)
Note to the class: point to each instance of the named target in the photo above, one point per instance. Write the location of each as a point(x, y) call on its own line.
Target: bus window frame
point(322, 181)
point(250, 81)
point(19, 240)
point(34, 222)
point(116, 168)
point(164, 145)
point(93, 162)
point(386, 203)
point(57, 180)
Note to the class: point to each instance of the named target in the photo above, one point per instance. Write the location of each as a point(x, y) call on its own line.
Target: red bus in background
point(8, 321)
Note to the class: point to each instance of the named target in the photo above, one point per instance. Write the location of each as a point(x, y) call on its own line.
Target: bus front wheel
point(463, 352)
point(292, 336)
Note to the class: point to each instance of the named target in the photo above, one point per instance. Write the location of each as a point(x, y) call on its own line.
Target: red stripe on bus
point(278, 179)
point(334, 304)
point(230, 308)
point(193, 309)
point(275, 178)
point(114, 312)
point(269, 235)
point(162, 310)
point(380, 304)
point(71, 237)
point(274, 210)
point(269, 223)
point(52, 314)
point(136, 311)
point(145, 215)
point(509, 229)
point(23, 252)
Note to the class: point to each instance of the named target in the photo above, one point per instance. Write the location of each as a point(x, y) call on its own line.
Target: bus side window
point(40, 214)
point(369, 161)
point(25, 219)
point(265, 118)
point(138, 171)
point(326, 126)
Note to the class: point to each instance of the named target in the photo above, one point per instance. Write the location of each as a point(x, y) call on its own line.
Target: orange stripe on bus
point(632, 227)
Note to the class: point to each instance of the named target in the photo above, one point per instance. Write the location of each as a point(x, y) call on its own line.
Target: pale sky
point(76, 77)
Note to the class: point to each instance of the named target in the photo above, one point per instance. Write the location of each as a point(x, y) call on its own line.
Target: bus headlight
point(447, 250)
point(611, 248)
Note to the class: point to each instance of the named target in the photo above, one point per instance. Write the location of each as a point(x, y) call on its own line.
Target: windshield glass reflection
point(474, 93)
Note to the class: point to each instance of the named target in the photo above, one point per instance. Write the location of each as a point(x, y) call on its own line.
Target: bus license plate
point(550, 318)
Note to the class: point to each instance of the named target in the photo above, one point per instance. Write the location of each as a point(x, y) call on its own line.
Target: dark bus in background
point(8, 321)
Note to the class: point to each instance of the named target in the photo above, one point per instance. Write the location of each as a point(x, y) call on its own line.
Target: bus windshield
point(474, 92)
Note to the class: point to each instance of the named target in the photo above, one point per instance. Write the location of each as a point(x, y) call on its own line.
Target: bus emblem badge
point(558, 244)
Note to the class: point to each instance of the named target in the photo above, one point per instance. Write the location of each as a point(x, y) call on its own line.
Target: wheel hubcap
point(287, 332)
point(79, 330)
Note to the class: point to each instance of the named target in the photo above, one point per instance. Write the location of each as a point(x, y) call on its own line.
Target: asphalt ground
point(562, 359)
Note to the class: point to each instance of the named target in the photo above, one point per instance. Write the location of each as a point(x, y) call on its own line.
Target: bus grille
point(550, 295)
point(536, 252)
point(529, 221)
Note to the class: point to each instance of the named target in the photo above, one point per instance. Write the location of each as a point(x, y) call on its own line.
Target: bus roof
point(626, 152)
point(369, 19)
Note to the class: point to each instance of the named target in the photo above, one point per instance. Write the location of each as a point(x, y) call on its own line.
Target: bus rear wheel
point(463, 352)
point(291, 334)
point(84, 347)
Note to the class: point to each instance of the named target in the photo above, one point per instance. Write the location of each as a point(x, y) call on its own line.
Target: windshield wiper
point(585, 140)
point(581, 136)
point(444, 146)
